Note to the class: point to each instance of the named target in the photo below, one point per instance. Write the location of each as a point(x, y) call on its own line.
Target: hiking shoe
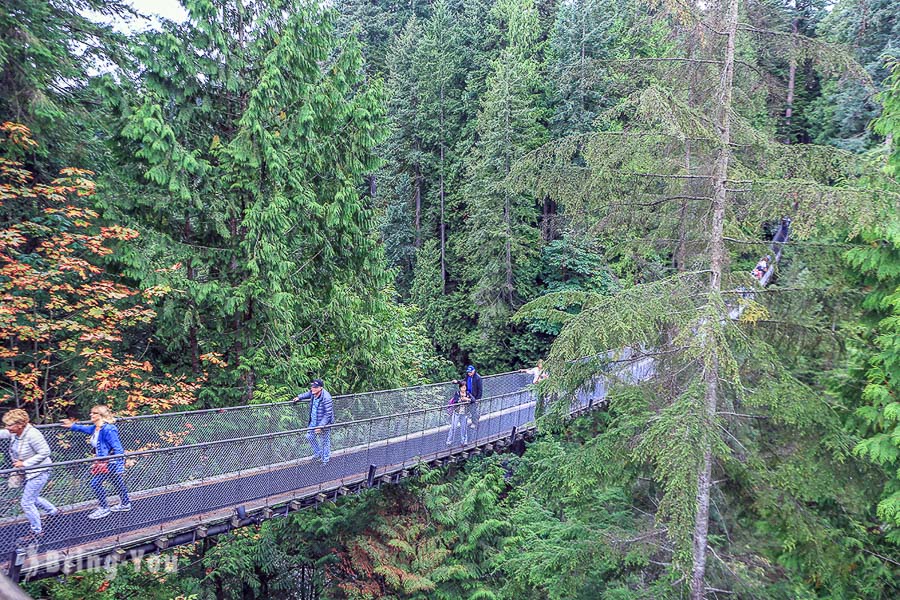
point(121, 507)
point(99, 513)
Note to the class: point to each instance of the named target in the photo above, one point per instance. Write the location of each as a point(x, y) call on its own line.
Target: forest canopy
point(214, 212)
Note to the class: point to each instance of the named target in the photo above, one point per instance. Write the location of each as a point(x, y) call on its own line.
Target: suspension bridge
point(196, 474)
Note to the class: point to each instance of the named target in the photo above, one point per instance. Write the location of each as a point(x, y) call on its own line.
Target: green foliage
point(254, 202)
point(888, 124)
point(881, 413)
point(156, 578)
point(842, 112)
point(49, 50)
point(274, 181)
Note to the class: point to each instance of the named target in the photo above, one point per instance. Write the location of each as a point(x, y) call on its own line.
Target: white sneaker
point(121, 507)
point(99, 513)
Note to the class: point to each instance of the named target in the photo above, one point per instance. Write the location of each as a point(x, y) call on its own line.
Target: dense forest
point(208, 213)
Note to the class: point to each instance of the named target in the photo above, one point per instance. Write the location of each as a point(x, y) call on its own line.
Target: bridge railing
point(168, 430)
point(170, 485)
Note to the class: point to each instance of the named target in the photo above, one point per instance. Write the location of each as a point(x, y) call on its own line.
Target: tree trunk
point(192, 330)
point(507, 216)
point(716, 266)
point(418, 200)
point(443, 230)
point(441, 193)
point(548, 231)
point(792, 73)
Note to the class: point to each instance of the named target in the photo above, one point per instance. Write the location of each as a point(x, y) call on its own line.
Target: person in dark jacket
point(321, 415)
point(105, 439)
point(474, 391)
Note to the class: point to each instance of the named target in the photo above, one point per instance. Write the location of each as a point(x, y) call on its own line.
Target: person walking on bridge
point(105, 439)
point(28, 448)
point(761, 267)
point(474, 391)
point(537, 372)
point(321, 415)
point(457, 408)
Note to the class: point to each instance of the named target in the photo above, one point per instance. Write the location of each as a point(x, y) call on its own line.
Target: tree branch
point(733, 414)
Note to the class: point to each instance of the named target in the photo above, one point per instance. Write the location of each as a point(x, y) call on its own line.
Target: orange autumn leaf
point(63, 318)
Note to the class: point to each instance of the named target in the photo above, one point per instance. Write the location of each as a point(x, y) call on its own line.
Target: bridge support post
point(370, 481)
point(16, 559)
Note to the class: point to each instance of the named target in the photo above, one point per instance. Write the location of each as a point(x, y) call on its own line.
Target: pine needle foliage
point(683, 165)
point(255, 129)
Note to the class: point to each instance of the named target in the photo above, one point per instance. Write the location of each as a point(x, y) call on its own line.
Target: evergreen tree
point(879, 262)
point(254, 126)
point(407, 172)
point(502, 238)
point(709, 367)
point(48, 50)
point(842, 113)
point(376, 24)
point(425, 83)
point(442, 59)
point(583, 33)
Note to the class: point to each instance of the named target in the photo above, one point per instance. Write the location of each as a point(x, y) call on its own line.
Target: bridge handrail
point(262, 405)
point(211, 443)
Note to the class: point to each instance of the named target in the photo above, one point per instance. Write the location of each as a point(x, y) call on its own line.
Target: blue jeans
point(475, 411)
point(458, 420)
point(118, 484)
point(32, 500)
point(323, 451)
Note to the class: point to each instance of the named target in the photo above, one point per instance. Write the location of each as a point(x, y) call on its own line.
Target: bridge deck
point(183, 507)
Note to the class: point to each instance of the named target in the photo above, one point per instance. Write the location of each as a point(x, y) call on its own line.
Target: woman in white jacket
point(28, 448)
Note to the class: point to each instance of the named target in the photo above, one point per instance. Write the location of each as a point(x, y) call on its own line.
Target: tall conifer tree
point(502, 236)
point(710, 372)
point(255, 127)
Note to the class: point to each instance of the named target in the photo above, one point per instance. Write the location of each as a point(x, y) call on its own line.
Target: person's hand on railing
point(67, 423)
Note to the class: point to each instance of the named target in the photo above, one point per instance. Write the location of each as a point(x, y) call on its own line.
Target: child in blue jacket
point(105, 439)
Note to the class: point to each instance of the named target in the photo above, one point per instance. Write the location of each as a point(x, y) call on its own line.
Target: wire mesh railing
point(168, 430)
point(182, 485)
point(265, 455)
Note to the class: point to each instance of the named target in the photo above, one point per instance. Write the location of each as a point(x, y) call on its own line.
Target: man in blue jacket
point(321, 415)
point(473, 388)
